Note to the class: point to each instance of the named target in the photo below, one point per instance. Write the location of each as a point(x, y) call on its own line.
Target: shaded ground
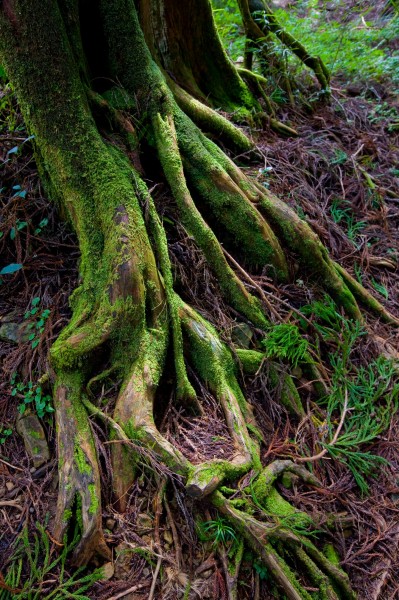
point(341, 175)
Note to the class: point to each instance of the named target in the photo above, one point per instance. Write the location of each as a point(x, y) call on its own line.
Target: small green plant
point(31, 395)
point(361, 399)
point(284, 341)
point(218, 531)
point(43, 223)
point(340, 157)
point(36, 571)
point(9, 270)
point(344, 216)
point(383, 112)
point(366, 397)
point(261, 570)
point(5, 433)
point(37, 326)
point(380, 288)
point(19, 225)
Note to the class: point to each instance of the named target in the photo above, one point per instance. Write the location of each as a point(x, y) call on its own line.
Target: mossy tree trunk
point(142, 70)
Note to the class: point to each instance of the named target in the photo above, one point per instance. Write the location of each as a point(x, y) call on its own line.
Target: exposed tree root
point(259, 22)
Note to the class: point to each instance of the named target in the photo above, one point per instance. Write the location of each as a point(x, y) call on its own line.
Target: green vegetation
point(361, 400)
point(35, 564)
point(36, 326)
point(354, 48)
point(5, 433)
point(31, 394)
point(342, 214)
point(364, 399)
point(284, 341)
point(218, 531)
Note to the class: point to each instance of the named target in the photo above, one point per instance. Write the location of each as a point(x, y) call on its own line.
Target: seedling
point(37, 326)
point(31, 395)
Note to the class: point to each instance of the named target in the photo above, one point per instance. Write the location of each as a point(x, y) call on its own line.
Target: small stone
point(30, 429)
point(108, 571)
point(242, 335)
point(146, 572)
point(9, 332)
point(32, 470)
point(143, 522)
point(110, 524)
point(9, 485)
point(167, 536)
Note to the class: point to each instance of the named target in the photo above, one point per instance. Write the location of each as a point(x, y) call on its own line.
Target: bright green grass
point(356, 49)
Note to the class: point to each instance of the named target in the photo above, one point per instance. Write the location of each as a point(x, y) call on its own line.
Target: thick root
point(192, 219)
point(79, 478)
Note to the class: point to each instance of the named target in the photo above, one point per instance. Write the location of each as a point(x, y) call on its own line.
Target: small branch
point(130, 590)
point(252, 282)
point(154, 580)
point(333, 441)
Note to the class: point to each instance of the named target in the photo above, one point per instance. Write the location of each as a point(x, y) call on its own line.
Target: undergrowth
point(35, 566)
point(355, 47)
point(361, 398)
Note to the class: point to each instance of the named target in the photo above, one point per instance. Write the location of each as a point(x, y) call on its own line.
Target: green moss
point(222, 200)
point(250, 360)
point(94, 499)
point(83, 465)
point(331, 554)
point(67, 515)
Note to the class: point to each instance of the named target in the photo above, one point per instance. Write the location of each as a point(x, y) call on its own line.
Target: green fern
point(284, 341)
point(218, 531)
point(34, 562)
point(371, 395)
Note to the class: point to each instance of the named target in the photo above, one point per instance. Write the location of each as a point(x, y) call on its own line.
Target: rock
point(110, 524)
point(30, 429)
point(16, 333)
point(9, 332)
point(108, 571)
point(242, 335)
point(10, 486)
point(143, 522)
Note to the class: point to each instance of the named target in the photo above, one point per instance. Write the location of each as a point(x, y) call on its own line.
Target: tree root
point(209, 120)
point(259, 21)
point(255, 81)
point(79, 478)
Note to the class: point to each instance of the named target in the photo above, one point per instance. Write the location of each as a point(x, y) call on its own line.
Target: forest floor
point(341, 174)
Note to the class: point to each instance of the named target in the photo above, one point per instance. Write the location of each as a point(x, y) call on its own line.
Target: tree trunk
point(84, 73)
